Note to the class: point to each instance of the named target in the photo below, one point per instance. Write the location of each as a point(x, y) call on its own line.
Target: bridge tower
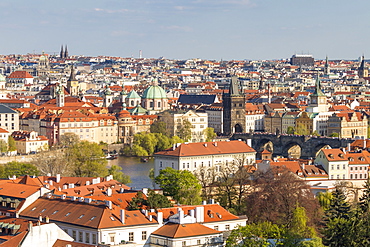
point(234, 109)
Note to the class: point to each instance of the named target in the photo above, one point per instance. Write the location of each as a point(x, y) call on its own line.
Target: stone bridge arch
point(317, 149)
point(292, 150)
point(262, 144)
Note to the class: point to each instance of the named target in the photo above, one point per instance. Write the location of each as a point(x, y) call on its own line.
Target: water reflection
point(136, 169)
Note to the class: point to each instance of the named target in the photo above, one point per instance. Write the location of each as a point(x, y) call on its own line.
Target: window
point(87, 237)
point(338, 167)
point(344, 166)
point(199, 242)
point(112, 239)
point(227, 227)
point(355, 176)
point(351, 176)
point(143, 235)
point(360, 176)
point(160, 164)
point(131, 236)
point(74, 235)
point(216, 228)
point(183, 243)
point(332, 167)
point(338, 176)
point(80, 237)
point(94, 238)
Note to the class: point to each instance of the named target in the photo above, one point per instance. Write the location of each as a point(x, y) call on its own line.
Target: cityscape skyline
point(235, 29)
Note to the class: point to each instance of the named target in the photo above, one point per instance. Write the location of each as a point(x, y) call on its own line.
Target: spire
point(318, 91)
point(234, 86)
point(72, 77)
point(362, 66)
point(66, 52)
point(61, 52)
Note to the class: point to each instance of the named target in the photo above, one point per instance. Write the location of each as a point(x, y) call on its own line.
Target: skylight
point(67, 214)
point(82, 215)
point(93, 217)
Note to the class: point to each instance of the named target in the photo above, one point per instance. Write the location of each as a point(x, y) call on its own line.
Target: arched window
point(159, 104)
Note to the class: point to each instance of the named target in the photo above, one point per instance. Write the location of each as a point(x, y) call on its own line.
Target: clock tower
point(72, 84)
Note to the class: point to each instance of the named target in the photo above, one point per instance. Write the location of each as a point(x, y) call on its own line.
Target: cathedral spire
point(318, 91)
point(66, 52)
point(61, 52)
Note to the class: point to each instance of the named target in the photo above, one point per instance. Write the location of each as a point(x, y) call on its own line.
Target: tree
point(68, 140)
point(159, 127)
point(339, 207)
point(324, 199)
point(364, 203)
point(119, 175)
point(184, 130)
point(138, 150)
point(156, 201)
point(86, 159)
point(182, 185)
point(290, 130)
point(207, 177)
point(334, 134)
point(18, 169)
point(3, 146)
point(52, 162)
point(315, 133)
point(209, 132)
point(254, 235)
point(275, 195)
point(11, 144)
point(137, 202)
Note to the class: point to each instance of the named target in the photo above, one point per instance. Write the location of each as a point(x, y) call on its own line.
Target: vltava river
point(136, 169)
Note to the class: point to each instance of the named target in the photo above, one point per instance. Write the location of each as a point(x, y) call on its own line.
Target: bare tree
point(52, 162)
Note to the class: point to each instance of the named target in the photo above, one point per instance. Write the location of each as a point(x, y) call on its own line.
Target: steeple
point(326, 69)
point(318, 91)
point(61, 52)
point(362, 70)
point(66, 52)
point(60, 95)
point(72, 83)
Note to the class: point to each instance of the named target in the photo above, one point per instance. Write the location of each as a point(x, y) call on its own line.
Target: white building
point(190, 156)
point(29, 141)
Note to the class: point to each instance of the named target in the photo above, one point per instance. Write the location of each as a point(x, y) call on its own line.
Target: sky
point(186, 29)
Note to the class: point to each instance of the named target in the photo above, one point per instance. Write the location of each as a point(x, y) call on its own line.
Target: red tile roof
point(20, 74)
point(208, 148)
point(172, 230)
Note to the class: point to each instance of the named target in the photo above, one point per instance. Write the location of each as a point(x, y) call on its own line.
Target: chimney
point(108, 204)
point(249, 142)
point(205, 144)
point(81, 199)
point(121, 190)
point(88, 200)
point(173, 146)
point(16, 214)
point(150, 218)
point(87, 182)
point(71, 186)
point(145, 191)
point(199, 214)
point(122, 215)
point(109, 191)
point(303, 166)
point(30, 225)
point(215, 144)
point(181, 216)
point(160, 218)
point(73, 198)
point(58, 178)
point(109, 178)
point(47, 219)
point(51, 182)
point(349, 147)
point(192, 213)
point(63, 196)
point(204, 203)
point(65, 186)
point(40, 218)
point(211, 201)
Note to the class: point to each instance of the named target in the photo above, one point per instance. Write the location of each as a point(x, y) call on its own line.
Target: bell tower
point(72, 83)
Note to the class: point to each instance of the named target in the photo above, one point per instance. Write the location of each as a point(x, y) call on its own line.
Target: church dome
point(154, 92)
point(124, 114)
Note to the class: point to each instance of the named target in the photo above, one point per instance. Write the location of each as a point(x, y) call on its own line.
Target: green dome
point(133, 95)
point(154, 92)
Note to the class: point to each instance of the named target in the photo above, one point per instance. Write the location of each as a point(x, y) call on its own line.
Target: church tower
point(108, 97)
point(66, 52)
point(60, 95)
point(234, 109)
point(326, 68)
point(362, 70)
point(72, 83)
point(61, 52)
point(319, 101)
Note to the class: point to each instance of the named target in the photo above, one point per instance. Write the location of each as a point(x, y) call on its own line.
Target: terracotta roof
point(17, 190)
point(20, 74)
point(63, 243)
point(334, 154)
point(172, 230)
point(208, 148)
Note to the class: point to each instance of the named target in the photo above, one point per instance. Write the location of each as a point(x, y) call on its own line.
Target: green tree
point(11, 144)
point(210, 134)
point(176, 139)
point(86, 160)
point(364, 203)
point(163, 142)
point(159, 127)
point(138, 150)
point(119, 175)
point(290, 130)
point(254, 235)
point(334, 134)
point(18, 169)
point(182, 185)
point(324, 199)
point(156, 201)
point(315, 133)
point(339, 207)
point(137, 202)
point(3, 146)
point(184, 130)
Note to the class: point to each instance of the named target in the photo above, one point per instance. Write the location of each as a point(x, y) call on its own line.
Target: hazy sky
point(181, 29)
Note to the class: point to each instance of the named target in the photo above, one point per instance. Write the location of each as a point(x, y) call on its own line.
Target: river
point(136, 169)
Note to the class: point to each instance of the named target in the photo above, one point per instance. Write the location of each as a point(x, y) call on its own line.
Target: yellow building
point(304, 124)
point(348, 125)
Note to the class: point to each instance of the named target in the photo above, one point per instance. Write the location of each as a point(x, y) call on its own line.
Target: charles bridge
point(282, 143)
